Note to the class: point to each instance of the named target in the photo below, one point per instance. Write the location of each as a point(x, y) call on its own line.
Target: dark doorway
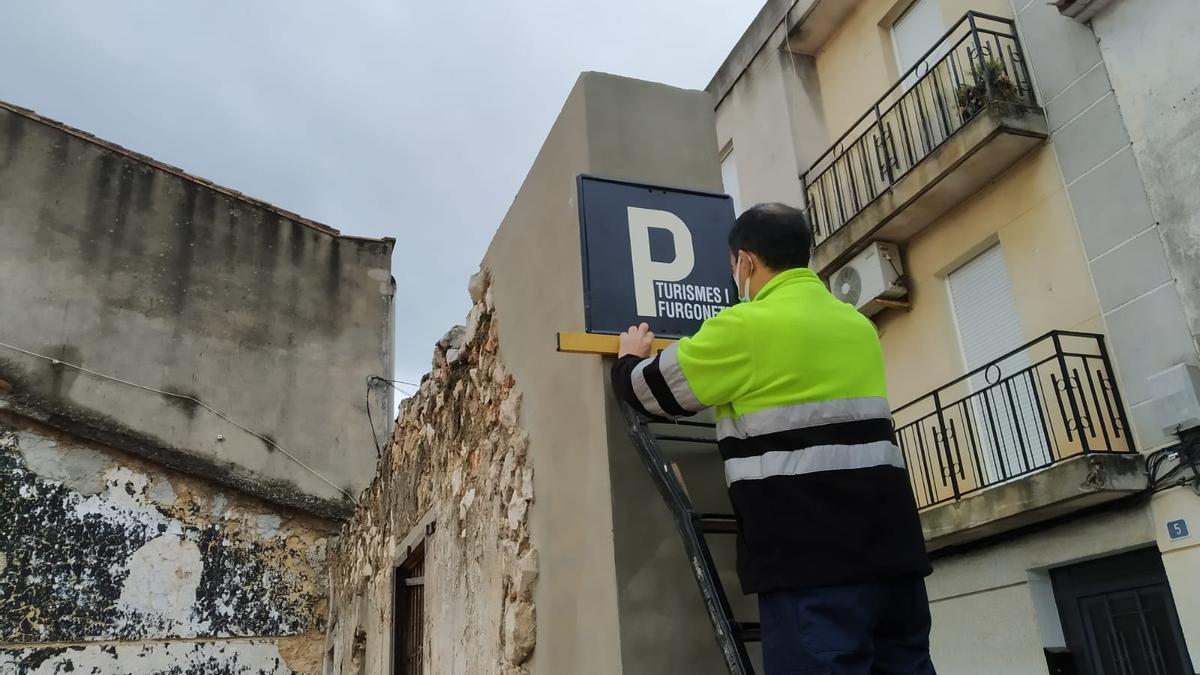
point(408, 623)
point(1119, 617)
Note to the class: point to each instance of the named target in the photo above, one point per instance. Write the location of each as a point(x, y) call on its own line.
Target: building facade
point(183, 424)
point(972, 164)
point(1037, 310)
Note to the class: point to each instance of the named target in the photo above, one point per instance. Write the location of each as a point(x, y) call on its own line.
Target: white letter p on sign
point(645, 270)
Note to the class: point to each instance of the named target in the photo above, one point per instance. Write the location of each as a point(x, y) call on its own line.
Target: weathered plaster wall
point(456, 468)
point(130, 268)
point(107, 561)
point(227, 657)
point(1158, 89)
point(772, 119)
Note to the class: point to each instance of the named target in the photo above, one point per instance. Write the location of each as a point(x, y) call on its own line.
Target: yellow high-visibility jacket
point(816, 479)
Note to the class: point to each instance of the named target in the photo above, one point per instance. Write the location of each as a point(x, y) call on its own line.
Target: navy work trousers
point(861, 629)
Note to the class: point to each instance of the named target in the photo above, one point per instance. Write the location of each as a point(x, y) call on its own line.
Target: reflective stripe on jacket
point(816, 480)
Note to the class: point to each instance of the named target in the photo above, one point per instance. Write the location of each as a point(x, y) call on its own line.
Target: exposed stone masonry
point(456, 459)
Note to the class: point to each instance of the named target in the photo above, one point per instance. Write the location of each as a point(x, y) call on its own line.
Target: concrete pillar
point(613, 593)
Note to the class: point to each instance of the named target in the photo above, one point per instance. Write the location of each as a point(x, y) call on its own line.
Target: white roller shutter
point(916, 32)
point(984, 309)
point(1008, 428)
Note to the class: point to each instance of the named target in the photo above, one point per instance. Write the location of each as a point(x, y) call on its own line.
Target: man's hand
point(637, 341)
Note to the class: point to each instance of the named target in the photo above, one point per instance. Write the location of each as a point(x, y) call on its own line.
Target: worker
point(828, 532)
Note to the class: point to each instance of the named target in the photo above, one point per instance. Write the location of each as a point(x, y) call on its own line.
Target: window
point(729, 178)
point(409, 614)
point(917, 30)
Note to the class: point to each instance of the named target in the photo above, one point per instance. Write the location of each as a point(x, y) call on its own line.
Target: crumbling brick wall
point(112, 564)
point(454, 478)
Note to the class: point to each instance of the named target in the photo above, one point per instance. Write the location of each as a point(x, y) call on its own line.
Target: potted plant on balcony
point(1005, 94)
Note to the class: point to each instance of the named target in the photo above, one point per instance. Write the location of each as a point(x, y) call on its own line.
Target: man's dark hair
point(777, 233)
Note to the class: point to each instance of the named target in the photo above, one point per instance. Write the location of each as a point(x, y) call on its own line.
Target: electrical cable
point(370, 418)
point(58, 362)
point(901, 279)
point(1184, 456)
point(394, 383)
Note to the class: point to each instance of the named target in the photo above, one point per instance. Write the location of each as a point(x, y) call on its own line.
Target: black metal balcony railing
point(1049, 400)
point(978, 64)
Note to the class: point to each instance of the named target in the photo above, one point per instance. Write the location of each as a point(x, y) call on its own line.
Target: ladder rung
point(686, 423)
point(748, 632)
point(716, 523)
point(687, 439)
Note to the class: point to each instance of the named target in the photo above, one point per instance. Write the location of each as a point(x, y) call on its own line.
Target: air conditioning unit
point(872, 276)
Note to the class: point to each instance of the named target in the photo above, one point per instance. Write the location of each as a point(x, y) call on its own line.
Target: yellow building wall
point(858, 63)
point(1027, 212)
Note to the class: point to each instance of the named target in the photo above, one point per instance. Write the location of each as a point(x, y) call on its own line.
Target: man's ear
point(755, 262)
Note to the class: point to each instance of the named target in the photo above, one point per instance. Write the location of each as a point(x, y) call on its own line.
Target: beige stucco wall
point(983, 604)
point(772, 118)
point(987, 632)
point(576, 593)
point(1027, 212)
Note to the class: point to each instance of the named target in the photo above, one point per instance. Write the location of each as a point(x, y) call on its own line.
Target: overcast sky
point(414, 120)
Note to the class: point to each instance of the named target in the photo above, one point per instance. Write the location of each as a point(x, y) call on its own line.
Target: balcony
point(1037, 433)
point(951, 124)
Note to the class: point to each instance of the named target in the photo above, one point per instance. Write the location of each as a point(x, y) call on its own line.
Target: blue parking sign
point(654, 254)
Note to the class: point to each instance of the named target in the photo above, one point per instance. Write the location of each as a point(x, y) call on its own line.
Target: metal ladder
point(692, 525)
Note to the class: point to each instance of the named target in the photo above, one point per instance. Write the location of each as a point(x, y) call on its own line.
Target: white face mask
point(743, 293)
